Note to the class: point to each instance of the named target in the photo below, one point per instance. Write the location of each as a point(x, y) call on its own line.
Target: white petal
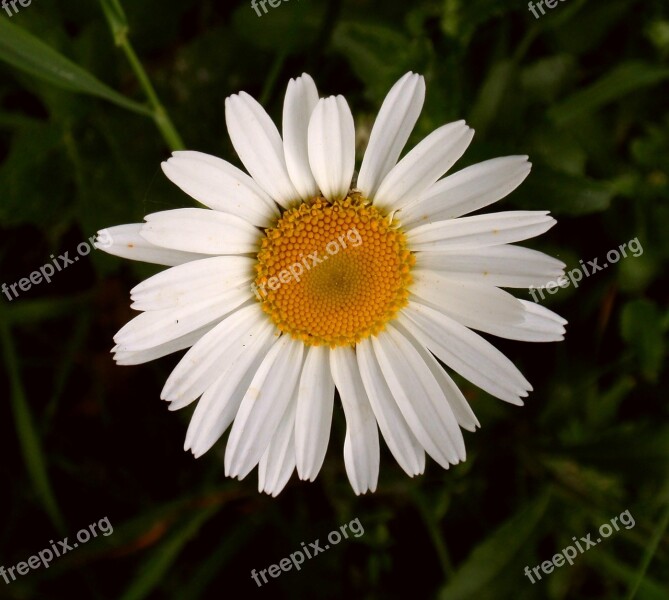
point(259, 146)
point(481, 230)
point(504, 265)
point(546, 318)
point(278, 462)
point(137, 357)
point(219, 404)
point(402, 443)
point(361, 444)
point(126, 242)
point(332, 146)
point(539, 325)
point(458, 403)
point(301, 99)
point(423, 165)
point(179, 286)
point(315, 401)
point(263, 406)
point(201, 230)
point(466, 352)
point(477, 305)
point(392, 128)
point(419, 397)
point(221, 186)
point(529, 328)
point(467, 190)
point(160, 326)
point(208, 358)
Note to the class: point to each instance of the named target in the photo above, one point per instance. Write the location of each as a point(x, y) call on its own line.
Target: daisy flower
point(295, 280)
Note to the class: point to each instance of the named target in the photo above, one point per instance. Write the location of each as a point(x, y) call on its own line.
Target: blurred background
point(583, 90)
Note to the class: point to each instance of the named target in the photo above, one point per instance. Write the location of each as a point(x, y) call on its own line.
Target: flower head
point(296, 280)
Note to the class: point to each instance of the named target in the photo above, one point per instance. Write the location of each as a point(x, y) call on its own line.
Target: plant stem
point(118, 24)
point(160, 116)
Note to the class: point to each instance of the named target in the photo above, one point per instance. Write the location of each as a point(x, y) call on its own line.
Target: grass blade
point(27, 53)
point(25, 429)
point(492, 557)
point(153, 571)
point(624, 79)
point(650, 552)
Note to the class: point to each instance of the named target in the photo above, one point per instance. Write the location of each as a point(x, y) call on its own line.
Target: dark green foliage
point(583, 91)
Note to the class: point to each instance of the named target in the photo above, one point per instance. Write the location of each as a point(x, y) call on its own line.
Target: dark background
point(583, 91)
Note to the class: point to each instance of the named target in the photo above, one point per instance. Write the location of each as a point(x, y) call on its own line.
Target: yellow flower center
point(333, 273)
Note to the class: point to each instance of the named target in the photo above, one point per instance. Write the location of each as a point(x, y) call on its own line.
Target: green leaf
point(561, 193)
point(613, 569)
point(294, 27)
point(231, 543)
point(641, 453)
point(641, 328)
point(16, 121)
point(152, 573)
point(545, 78)
point(658, 34)
point(379, 55)
point(581, 26)
point(27, 53)
point(624, 79)
point(461, 18)
point(493, 91)
point(29, 440)
point(44, 309)
point(558, 149)
point(35, 169)
point(492, 557)
point(641, 576)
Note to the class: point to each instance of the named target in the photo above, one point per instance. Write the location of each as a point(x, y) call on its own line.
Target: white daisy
point(295, 281)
